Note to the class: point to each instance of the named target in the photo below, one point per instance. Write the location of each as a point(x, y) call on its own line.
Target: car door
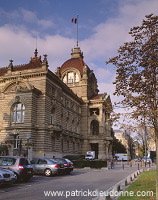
point(34, 164)
point(41, 165)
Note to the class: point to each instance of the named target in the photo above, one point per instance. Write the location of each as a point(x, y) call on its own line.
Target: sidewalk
point(121, 174)
point(136, 166)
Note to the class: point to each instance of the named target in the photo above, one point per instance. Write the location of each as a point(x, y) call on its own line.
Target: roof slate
point(31, 65)
point(77, 63)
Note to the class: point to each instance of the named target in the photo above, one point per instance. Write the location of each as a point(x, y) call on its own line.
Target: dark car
point(6, 177)
point(21, 166)
point(67, 164)
point(47, 166)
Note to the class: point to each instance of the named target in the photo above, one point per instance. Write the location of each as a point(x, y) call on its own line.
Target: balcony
point(55, 127)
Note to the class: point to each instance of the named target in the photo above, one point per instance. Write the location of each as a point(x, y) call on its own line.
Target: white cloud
point(112, 33)
point(31, 17)
point(19, 43)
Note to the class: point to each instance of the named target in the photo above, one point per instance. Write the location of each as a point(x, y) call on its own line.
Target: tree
point(137, 74)
point(118, 147)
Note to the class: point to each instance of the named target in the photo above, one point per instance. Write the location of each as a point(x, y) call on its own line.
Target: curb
point(120, 186)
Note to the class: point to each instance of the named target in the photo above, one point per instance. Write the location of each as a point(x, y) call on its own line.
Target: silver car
point(67, 164)
point(21, 166)
point(7, 176)
point(47, 166)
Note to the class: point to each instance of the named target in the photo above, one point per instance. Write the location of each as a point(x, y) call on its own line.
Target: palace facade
point(46, 114)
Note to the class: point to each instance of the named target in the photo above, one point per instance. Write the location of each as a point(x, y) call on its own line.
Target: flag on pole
point(74, 20)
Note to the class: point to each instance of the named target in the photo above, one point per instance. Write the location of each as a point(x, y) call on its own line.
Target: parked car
point(47, 166)
point(21, 166)
point(147, 160)
point(67, 164)
point(7, 177)
point(137, 159)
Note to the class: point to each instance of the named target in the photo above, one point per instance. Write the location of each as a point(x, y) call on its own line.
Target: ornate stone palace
point(46, 114)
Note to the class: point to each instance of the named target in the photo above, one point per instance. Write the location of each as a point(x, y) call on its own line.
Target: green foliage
point(118, 147)
point(75, 157)
point(97, 164)
point(146, 182)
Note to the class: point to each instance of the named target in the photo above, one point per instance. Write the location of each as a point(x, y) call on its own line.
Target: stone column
point(107, 150)
point(102, 152)
point(85, 147)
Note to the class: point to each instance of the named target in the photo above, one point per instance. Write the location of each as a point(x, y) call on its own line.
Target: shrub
point(74, 157)
point(97, 164)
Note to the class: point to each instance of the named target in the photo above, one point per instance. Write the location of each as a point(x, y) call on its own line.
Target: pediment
point(17, 86)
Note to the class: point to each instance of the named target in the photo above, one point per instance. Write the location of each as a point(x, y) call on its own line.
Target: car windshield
point(53, 161)
point(7, 161)
point(24, 161)
point(60, 160)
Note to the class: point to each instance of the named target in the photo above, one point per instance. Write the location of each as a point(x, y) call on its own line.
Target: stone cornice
point(21, 76)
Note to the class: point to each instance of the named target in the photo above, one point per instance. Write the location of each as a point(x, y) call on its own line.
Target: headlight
point(12, 175)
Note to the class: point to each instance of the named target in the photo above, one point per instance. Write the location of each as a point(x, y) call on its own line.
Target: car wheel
point(48, 172)
point(16, 176)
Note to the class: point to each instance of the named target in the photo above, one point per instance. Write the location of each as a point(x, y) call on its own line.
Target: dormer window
point(71, 78)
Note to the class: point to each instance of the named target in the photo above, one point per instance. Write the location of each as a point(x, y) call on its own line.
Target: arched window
point(18, 113)
point(94, 127)
point(70, 78)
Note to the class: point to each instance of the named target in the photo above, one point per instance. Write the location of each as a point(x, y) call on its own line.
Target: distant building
point(122, 137)
point(43, 114)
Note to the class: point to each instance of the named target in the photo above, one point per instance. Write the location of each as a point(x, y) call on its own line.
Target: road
point(80, 185)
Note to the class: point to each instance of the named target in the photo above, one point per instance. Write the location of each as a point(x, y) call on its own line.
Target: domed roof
point(77, 63)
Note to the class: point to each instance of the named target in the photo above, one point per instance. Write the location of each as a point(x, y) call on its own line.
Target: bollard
point(123, 166)
point(138, 166)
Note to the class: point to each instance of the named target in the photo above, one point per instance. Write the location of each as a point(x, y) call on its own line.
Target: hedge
point(74, 157)
point(97, 164)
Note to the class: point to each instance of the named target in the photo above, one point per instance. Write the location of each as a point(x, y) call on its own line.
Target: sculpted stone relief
point(17, 86)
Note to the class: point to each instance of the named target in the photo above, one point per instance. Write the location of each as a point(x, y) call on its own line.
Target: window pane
point(14, 108)
point(19, 106)
point(77, 78)
point(18, 116)
point(13, 117)
point(70, 77)
point(18, 113)
point(23, 107)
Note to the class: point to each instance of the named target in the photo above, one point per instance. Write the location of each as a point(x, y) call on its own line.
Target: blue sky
point(103, 27)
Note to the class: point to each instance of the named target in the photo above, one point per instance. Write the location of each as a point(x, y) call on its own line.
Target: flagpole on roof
point(75, 20)
point(77, 30)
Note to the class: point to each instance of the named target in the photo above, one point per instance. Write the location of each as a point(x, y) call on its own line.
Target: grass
point(144, 186)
